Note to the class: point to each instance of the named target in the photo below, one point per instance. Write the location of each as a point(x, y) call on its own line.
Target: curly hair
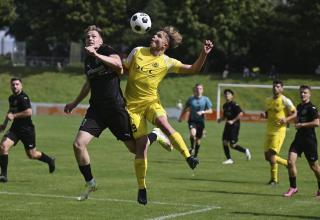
point(174, 37)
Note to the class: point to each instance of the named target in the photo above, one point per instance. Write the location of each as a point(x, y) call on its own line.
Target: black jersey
point(20, 103)
point(104, 81)
point(306, 113)
point(231, 110)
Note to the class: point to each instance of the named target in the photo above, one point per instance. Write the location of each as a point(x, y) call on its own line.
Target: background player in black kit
point(305, 140)
point(22, 128)
point(107, 106)
point(231, 113)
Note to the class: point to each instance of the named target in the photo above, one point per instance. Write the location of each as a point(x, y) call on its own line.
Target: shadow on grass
point(276, 215)
point(168, 161)
point(220, 181)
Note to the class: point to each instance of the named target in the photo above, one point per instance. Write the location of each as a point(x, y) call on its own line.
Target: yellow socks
point(179, 144)
point(281, 161)
point(140, 166)
point(274, 172)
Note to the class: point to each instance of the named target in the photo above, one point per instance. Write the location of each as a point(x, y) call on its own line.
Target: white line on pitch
point(102, 199)
point(185, 213)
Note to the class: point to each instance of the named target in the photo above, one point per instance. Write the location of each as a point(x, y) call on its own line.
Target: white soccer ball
point(140, 23)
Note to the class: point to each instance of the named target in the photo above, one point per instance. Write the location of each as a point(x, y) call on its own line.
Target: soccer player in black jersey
point(231, 113)
point(107, 106)
point(305, 140)
point(22, 128)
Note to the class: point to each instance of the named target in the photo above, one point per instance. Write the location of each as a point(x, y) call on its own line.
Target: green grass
point(239, 190)
point(47, 85)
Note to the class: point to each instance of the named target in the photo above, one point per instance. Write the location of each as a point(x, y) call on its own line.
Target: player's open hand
point(207, 46)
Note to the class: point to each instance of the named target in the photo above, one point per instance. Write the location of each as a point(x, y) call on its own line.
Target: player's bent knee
point(313, 166)
point(77, 146)
point(290, 163)
point(4, 149)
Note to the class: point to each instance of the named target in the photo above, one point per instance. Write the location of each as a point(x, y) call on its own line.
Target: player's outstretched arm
point(83, 93)
point(197, 65)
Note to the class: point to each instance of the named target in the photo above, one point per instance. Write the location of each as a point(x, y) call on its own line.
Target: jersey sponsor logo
point(155, 65)
point(146, 70)
point(100, 70)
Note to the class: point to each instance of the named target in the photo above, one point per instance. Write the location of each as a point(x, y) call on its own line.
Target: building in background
point(6, 43)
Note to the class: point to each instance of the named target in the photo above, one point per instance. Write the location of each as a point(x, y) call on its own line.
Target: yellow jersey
point(145, 73)
point(276, 110)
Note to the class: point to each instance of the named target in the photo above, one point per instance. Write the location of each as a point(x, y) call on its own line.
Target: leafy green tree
point(7, 13)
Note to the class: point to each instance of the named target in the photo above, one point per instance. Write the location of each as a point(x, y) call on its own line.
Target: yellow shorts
point(139, 118)
point(274, 142)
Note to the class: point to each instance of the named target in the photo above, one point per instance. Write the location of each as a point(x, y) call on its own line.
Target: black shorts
point(26, 134)
point(116, 119)
point(306, 145)
point(199, 126)
point(231, 133)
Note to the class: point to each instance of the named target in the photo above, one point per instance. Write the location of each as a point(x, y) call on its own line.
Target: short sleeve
point(24, 102)
point(314, 112)
point(208, 103)
point(173, 65)
point(288, 104)
point(127, 61)
point(238, 108)
point(188, 103)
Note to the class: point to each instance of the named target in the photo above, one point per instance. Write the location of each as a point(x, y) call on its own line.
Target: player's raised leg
point(34, 154)
point(176, 140)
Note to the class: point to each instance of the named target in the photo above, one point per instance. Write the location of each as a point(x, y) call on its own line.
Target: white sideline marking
point(203, 208)
point(185, 213)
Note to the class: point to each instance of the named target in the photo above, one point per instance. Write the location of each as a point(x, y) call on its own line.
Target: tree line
point(261, 33)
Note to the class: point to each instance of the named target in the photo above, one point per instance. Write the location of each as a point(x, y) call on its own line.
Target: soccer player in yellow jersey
point(147, 66)
point(279, 110)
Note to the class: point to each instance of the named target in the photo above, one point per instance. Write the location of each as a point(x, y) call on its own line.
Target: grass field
point(213, 191)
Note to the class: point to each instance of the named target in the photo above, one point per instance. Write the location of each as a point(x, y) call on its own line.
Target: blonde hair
point(174, 36)
point(93, 28)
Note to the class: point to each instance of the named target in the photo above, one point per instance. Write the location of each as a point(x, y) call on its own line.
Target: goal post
point(222, 86)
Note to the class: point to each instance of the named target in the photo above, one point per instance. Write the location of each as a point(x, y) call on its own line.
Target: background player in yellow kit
point(147, 66)
point(279, 110)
